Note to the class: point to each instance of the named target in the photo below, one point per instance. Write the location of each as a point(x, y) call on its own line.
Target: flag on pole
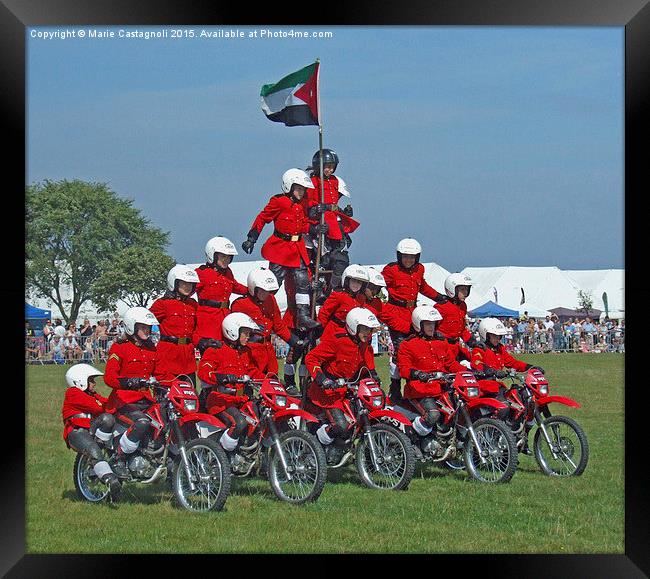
point(294, 99)
point(523, 297)
point(496, 295)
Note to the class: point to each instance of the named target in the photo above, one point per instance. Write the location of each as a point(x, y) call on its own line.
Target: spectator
point(88, 351)
point(57, 351)
point(102, 340)
point(48, 329)
point(85, 333)
point(588, 332)
point(549, 326)
point(71, 349)
point(521, 335)
point(29, 331)
point(59, 328)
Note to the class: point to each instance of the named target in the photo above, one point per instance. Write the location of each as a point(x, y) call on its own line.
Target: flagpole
point(322, 193)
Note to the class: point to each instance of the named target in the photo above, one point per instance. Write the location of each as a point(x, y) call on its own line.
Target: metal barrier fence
point(39, 350)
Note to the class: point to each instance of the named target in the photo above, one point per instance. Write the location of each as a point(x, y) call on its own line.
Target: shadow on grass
point(252, 486)
point(131, 494)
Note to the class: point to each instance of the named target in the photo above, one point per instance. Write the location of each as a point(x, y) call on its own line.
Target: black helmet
point(329, 156)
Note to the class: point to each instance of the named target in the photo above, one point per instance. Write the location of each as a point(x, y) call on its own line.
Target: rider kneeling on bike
point(420, 356)
point(490, 358)
point(226, 367)
point(131, 362)
point(86, 423)
point(340, 355)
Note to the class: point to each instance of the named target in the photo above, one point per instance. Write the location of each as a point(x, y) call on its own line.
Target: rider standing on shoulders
point(404, 281)
point(454, 314)
point(176, 313)
point(86, 423)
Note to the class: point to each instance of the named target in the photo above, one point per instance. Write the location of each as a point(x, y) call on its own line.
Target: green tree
point(75, 231)
point(585, 301)
point(136, 276)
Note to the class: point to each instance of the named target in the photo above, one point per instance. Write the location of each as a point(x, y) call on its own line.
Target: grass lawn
point(441, 512)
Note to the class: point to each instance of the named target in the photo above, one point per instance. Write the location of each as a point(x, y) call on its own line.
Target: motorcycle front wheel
point(209, 471)
point(568, 443)
point(395, 460)
point(306, 473)
point(86, 482)
point(497, 461)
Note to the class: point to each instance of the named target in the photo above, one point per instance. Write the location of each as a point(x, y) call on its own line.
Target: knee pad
point(289, 370)
point(94, 452)
point(138, 429)
point(394, 371)
point(279, 271)
point(431, 417)
point(339, 260)
point(239, 427)
point(301, 277)
point(338, 428)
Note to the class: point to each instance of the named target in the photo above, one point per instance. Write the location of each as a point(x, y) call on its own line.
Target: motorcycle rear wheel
point(569, 439)
point(497, 441)
point(308, 468)
point(210, 471)
point(396, 459)
point(86, 482)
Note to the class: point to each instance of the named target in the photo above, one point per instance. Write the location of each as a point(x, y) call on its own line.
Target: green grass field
point(441, 512)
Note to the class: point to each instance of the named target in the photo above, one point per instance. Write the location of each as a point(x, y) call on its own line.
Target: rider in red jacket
point(339, 222)
point(223, 370)
point(263, 309)
point(216, 284)
point(176, 313)
point(340, 355)
point(131, 362)
point(86, 425)
point(420, 356)
point(285, 248)
point(453, 326)
point(404, 281)
point(490, 358)
point(337, 305)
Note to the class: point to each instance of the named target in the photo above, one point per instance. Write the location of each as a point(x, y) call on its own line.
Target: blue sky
point(490, 145)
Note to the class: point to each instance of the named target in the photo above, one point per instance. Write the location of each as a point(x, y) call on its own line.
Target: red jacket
point(497, 358)
point(336, 307)
point(404, 286)
point(177, 317)
point(216, 285)
point(78, 401)
point(390, 315)
point(337, 222)
point(337, 356)
point(126, 360)
point(453, 325)
point(428, 355)
point(226, 360)
point(289, 218)
point(267, 315)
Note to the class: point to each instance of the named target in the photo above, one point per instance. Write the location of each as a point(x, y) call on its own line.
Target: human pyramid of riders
point(431, 344)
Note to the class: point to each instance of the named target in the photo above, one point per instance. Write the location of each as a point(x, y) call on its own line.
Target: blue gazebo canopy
point(493, 310)
point(34, 313)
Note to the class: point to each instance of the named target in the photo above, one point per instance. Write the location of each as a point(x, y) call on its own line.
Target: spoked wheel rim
point(497, 451)
point(392, 466)
point(88, 483)
point(305, 469)
point(207, 472)
point(570, 451)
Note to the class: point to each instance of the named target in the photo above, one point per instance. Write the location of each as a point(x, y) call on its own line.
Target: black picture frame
point(634, 15)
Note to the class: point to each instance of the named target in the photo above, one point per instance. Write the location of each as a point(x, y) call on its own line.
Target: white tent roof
point(599, 281)
point(546, 287)
point(533, 310)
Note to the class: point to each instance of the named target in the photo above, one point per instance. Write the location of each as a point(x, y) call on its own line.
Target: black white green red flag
point(294, 99)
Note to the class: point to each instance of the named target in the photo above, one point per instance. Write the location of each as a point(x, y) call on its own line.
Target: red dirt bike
point(198, 467)
point(292, 459)
point(487, 446)
point(383, 455)
point(560, 445)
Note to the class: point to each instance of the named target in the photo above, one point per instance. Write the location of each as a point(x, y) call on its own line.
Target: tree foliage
point(136, 276)
point(585, 301)
point(76, 231)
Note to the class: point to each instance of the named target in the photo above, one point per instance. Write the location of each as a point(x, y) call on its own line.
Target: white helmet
point(355, 271)
point(456, 279)
point(360, 317)
point(219, 244)
point(491, 326)
point(409, 246)
point(263, 278)
point(183, 273)
point(424, 314)
point(78, 375)
point(297, 176)
point(234, 322)
point(343, 188)
point(374, 277)
point(138, 315)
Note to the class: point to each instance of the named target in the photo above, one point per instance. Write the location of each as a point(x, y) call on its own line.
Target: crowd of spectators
point(57, 343)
